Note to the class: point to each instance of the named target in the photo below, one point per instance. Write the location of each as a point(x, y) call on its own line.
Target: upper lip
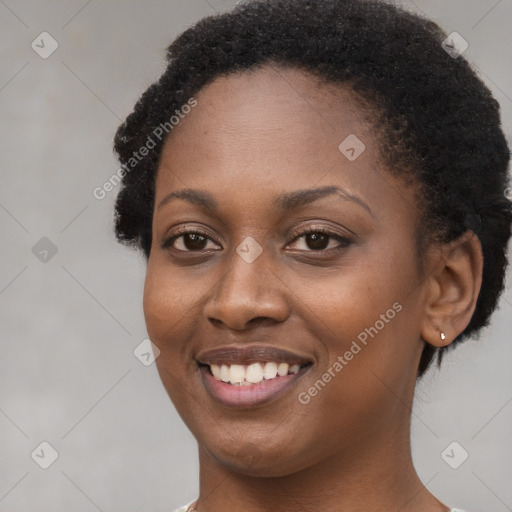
point(250, 354)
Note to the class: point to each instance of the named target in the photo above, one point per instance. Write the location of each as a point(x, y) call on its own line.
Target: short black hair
point(440, 125)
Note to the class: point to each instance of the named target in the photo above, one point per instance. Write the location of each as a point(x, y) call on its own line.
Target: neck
point(380, 476)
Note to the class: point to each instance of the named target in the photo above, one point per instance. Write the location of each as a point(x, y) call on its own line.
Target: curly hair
point(438, 125)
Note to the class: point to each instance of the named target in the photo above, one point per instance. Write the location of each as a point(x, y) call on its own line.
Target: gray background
point(68, 374)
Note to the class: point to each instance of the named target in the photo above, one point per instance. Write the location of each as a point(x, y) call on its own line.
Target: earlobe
point(453, 289)
point(437, 335)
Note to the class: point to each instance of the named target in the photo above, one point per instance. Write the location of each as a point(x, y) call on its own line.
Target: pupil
point(194, 241)
point(317, 241)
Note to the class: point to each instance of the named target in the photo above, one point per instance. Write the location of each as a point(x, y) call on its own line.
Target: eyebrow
point(287, 201)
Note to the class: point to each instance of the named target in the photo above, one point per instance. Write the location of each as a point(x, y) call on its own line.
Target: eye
point(189, 240)
point(315, 239)
point(319, 238)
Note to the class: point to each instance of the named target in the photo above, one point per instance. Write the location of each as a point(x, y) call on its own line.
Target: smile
point(246, 375)
point(250, 376)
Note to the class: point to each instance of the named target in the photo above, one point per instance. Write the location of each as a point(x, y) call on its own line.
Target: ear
point(453, 287)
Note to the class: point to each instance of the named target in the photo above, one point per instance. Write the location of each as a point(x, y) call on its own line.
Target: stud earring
point(443, 336)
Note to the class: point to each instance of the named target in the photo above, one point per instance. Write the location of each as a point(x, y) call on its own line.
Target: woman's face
point(338, 314)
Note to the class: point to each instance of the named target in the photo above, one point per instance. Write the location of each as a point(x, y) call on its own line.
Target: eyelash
point(344, 241)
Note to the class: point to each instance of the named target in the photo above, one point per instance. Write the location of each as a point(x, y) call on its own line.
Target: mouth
point(250, 376)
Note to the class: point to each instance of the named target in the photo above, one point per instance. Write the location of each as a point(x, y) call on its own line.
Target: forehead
point(270, 121)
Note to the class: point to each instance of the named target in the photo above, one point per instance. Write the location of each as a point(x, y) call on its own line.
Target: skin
point(252, 137)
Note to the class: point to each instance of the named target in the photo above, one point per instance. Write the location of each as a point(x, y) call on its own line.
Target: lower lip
point(252, 395)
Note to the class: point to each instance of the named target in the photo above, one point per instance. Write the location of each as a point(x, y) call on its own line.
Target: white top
point(184, 509)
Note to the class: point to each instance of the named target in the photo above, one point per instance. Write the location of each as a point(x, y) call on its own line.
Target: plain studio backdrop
point(71, 297)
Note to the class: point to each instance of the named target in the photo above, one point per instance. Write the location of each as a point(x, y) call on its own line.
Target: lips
point(251, 375)
point(250, 354)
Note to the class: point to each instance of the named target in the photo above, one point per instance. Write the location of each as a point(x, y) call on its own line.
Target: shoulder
point(185, 508)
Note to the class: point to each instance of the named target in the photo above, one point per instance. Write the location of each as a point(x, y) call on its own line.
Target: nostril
point(259, 320)
point(253, 322)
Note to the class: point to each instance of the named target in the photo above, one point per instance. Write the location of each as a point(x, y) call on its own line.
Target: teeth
point(270, 371)
point(236, 374)
point(215, 368)
point(254, 373)
point(246, 375)
point(224, 373)
point(282, 369)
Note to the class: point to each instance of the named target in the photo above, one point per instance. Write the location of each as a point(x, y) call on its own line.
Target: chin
point(255, 459)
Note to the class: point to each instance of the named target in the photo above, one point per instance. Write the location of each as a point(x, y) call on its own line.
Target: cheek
point(159, 306)
point(165, 309)
point(367, 316)
point(343, 303)
point(169, 302)
point(168, 312)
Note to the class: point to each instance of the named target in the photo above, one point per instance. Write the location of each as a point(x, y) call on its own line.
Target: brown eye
point(189, 241)
point(193, 241)
point(319, 239)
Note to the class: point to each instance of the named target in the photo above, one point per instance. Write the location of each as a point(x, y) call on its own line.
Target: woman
point(318, 188)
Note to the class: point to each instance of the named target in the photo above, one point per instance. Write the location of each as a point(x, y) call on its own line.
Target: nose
point(247, 294)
